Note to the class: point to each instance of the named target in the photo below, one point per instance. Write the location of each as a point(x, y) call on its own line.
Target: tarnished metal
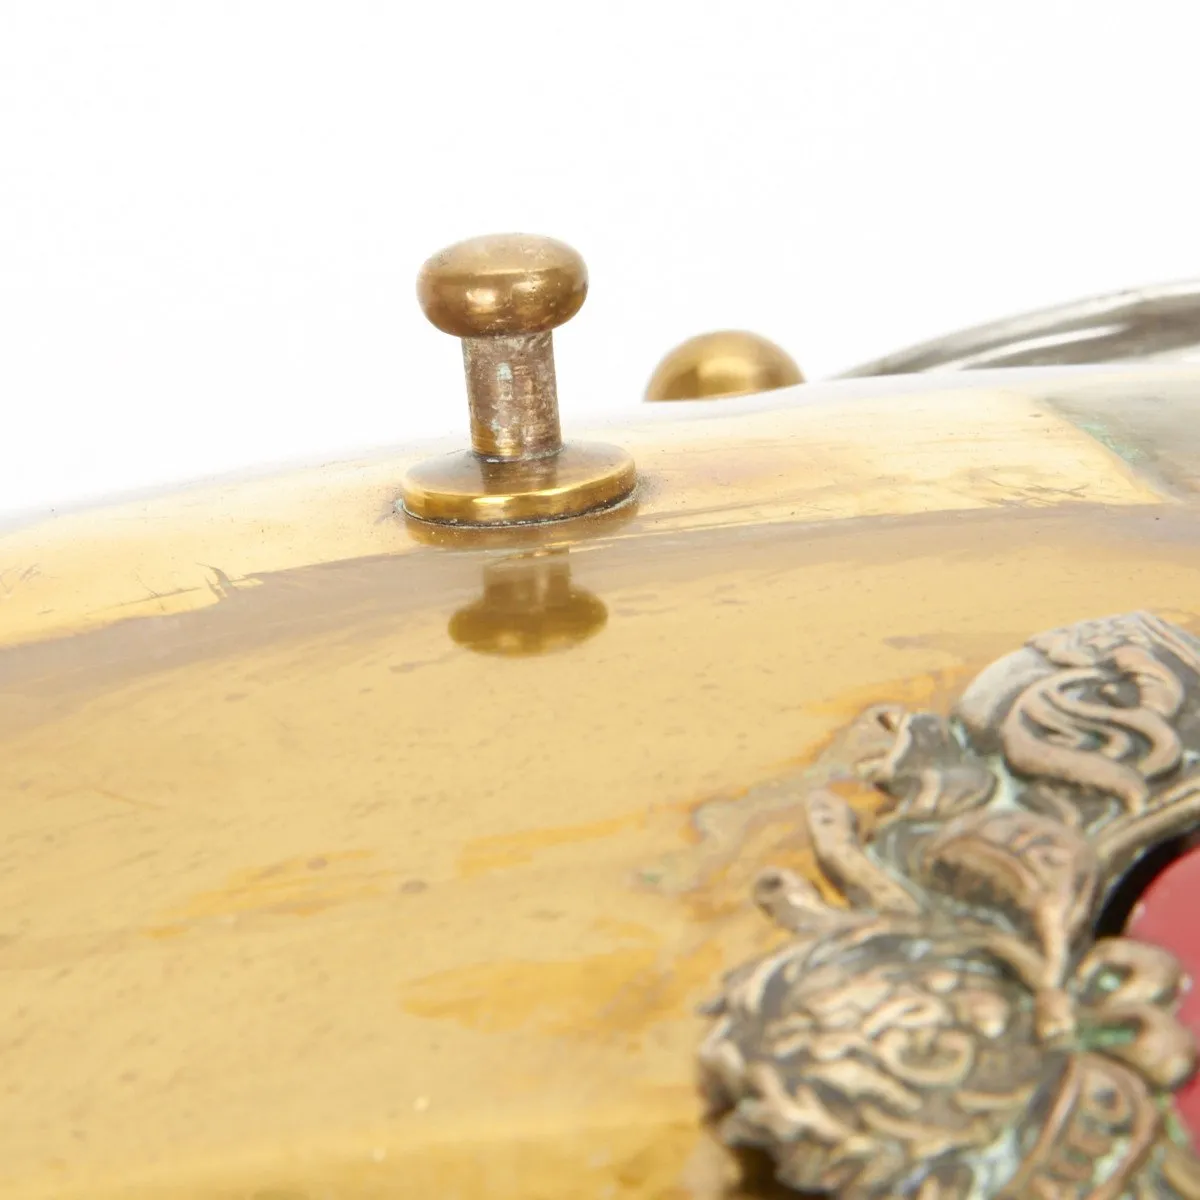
point(503, 295)
point(958, 1031)
point(513, 396)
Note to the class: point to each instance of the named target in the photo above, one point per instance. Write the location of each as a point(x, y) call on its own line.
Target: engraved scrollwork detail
point(956, 1030)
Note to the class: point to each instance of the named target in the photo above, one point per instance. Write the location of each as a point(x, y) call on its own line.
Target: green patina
point(1105, 1037)
point(1129, 451)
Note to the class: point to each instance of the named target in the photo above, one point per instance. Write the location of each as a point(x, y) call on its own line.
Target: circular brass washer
point(464, 489)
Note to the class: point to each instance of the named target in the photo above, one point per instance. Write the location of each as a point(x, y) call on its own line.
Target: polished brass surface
point(503, 295)
point(464, 489)
point(727, 363)
point(958, 982)
point(303, 897)
point(863, 450)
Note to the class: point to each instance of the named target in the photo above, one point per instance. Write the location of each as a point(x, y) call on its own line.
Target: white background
point(211, 213)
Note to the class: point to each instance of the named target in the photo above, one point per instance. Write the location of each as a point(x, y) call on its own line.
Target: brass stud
point(503, 295)
point(728, 363)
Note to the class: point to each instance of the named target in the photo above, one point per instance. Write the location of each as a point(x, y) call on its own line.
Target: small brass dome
point(726, 363)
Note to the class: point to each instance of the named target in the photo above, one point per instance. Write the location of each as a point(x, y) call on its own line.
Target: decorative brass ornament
point(958, 1030)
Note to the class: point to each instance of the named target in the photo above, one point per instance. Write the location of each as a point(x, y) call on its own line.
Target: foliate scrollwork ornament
point(956, 1029)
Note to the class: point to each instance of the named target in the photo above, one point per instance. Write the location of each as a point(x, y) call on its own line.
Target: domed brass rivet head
point(728, 363)
point(503, 295)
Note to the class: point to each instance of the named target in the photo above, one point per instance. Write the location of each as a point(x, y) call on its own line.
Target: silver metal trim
point(1160, 323)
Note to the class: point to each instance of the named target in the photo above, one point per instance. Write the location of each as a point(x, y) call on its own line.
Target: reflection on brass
point(959, 1031)
point(503, 295)
point(728, 363)
point(528, 606)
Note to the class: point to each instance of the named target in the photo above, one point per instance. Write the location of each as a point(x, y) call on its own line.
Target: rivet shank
point(513, 396)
